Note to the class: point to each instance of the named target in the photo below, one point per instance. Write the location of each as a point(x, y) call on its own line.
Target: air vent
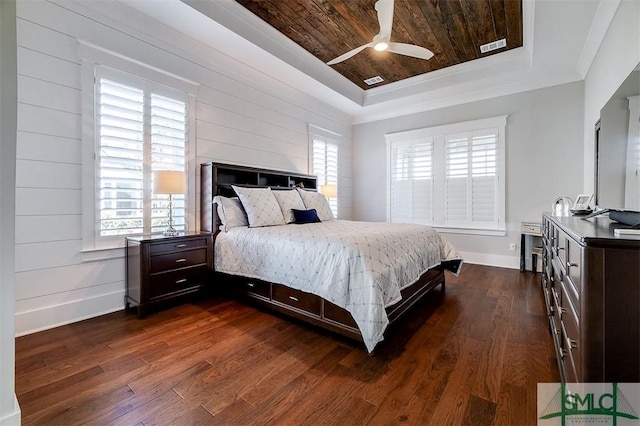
point(498, 44)
point(374, 80)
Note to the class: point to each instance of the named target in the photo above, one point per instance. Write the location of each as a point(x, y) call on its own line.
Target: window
point(139, 131)
point(324, 162)
point(136, 120)
point(449, 176)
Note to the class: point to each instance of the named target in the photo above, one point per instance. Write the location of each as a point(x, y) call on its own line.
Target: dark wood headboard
point(217, 178)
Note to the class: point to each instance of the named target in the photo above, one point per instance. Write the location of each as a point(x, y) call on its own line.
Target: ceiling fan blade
point(410, 50)
point(385, 18)
point(349, 54)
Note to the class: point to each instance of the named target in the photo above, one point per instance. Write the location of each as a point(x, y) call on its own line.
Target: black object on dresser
point(591, 283)
point(162, 268)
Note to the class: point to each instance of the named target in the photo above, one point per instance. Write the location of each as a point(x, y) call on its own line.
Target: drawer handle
point(571, 265)
point(181, 260)
point(295, 299)
point(184, 280)
point(251, 285)
point(571, 344)
point(563, 353)
point(180, 245)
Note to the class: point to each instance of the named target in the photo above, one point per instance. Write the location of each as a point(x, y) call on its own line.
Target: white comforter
point(359, 266)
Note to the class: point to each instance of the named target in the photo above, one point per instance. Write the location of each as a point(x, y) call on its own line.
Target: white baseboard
point(13, 418)
point(67, 313)
point(511, 262)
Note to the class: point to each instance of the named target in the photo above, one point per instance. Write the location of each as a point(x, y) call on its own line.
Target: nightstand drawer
point(181, 259)
point(299, 299)
point(163, 285)
point(182, 244)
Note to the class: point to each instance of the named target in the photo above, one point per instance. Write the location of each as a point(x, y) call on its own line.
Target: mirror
point(616, 166)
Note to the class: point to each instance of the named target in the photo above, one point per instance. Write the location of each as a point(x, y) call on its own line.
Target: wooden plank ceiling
point(453, 30)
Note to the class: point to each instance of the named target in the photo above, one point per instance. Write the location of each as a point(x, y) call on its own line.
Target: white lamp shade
point(169, 182)
point(329, 191)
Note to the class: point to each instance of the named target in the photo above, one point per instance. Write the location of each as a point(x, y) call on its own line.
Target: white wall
point(618, 55)
point(543, 161)
point(9, 409)
point(242, 117)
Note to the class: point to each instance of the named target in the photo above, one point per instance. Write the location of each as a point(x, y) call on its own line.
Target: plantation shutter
point(471, 190)
point(139, 132)
point(168, 152)
point(412, 182)
point(325, 165)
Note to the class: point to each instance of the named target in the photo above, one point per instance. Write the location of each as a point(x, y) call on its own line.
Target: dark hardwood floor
point(471, 356)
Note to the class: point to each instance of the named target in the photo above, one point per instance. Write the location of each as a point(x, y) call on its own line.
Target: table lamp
point(329, 191)
point(169, 182)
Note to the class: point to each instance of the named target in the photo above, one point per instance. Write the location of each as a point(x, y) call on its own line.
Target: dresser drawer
point(296, 298)
point(574, 265)
point(162, 285)
point(178, 245)
point(571, 338)
point(570, 300)
point(568, 355)
point(180, 259)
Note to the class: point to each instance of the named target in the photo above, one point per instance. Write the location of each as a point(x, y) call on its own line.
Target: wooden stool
point(535, 252)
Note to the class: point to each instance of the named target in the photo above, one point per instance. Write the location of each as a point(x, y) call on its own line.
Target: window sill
point(101, 253)
point(471, 231)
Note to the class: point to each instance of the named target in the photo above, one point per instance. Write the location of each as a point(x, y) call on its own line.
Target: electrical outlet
point(513, 246)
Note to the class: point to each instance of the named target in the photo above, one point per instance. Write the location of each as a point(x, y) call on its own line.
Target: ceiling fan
point(381, 41)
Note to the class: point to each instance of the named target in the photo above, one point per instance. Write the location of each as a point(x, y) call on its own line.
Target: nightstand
point(160, 268)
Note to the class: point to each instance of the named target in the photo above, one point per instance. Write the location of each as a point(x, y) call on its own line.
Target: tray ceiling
point(453, 30)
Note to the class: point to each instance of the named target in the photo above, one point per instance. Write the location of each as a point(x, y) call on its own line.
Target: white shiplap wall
point(242, 116)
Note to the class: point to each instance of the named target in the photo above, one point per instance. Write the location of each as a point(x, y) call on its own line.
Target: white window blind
point(471, 190)
point(324, 157)
point(412, 182)
point(139, 131)
point(449, 176)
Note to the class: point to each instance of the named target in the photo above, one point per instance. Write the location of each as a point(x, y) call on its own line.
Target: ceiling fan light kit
point(381, 46)
point(381, 41)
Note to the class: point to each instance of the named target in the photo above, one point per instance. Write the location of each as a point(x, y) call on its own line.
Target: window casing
point(324, 149)
point(135, 120)
point(450, 177)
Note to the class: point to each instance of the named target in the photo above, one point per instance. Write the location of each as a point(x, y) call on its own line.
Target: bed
point(353, 278)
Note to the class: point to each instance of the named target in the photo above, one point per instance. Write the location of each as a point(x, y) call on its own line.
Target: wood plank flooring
point(469, 356)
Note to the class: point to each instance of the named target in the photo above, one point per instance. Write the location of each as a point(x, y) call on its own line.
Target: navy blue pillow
point(305, 216)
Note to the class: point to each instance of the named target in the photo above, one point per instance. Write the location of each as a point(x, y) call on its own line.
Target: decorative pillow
point(261, 206)
point(305, 216)
point(288, 200)
point(230, 212)
point(315, 200)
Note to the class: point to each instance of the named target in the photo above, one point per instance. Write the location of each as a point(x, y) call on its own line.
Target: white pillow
point(316, 200)
point(261, 206)
point(230, 212)
point(288, 199)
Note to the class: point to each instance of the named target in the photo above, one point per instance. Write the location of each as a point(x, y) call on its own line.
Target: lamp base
point(171, 232)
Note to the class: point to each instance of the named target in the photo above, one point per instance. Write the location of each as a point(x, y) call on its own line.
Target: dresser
point(159, 268)
point(591, 285)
